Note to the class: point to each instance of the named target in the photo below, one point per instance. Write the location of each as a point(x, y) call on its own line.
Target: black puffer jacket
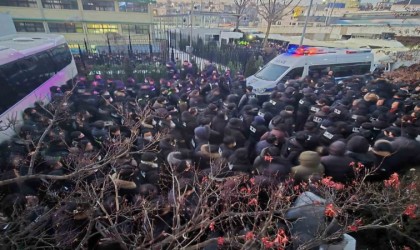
point(337, 165)
point(234, 128)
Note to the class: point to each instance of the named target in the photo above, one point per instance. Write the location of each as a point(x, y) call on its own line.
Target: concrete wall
point(84, 16)
point(401, 7)
point(77, 15)
point(7, 27)
point(336, 32)
point(23, 13)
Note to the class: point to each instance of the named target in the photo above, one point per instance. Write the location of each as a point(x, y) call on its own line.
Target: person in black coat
point(235, 129)
point(219, 123)
point(406, 149)
point(257, 129)
point(271, 165)
point(201, 137)
point(270, 140)
point(245, 98)
point(295, 145)
point(386, 162)
point(149, 169)
point(336, 164)
point(286, 117)
point(358, 150)
point(189, 123)
point(239, 162)
point(228, 147)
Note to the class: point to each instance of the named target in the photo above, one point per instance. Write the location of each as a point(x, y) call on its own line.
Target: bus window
point(61, 56)
point(46, 68)
point(30, 80)
point(23, 76)
point(9, 78)
point(271, 72)
point(293, 74)
point(12, 73)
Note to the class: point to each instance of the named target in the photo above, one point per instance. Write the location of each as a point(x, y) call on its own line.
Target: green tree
point(234, 67)
point(251, 67)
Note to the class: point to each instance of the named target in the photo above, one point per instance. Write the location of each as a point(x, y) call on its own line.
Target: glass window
point(271, 72)
point(29, 79)
point(350, 69)
point(101, 28)
point(8, 92)
point(294, 74)
point(60, 4)
point(65, 27)
point(340, 70)
point(129, 6)
point(29, 26)
point(23, 76)
point(45, 69)
point(318, 71)
point(19, 3)
point(98, 5)
point(61, 56)
point(135, 28)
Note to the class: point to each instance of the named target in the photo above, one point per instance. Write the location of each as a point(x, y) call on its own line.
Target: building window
point(98, 5)
point(135, 28)
point(60, 4)
point(19, 3)
point(128, 6)
point(29, 27)
point(65, 27)
point(101, 28)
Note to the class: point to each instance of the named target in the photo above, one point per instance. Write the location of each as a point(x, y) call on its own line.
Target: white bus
point(300, 62)
point(29, 65)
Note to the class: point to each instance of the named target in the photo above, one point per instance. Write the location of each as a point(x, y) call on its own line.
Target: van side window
point(294, 74)
point(349, 69)
point(340, 70)
point(318, 71)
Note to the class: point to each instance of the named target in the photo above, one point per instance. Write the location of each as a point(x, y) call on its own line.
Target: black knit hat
point(235, 123)
point(358, 144)
point(99, 124)
point(337, 148)
point(240, 156)
point(149, 156)
point(310, 126)
point(202, 132)
point(367, 126)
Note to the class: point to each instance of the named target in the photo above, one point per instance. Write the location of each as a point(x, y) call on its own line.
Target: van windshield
point(271, 72)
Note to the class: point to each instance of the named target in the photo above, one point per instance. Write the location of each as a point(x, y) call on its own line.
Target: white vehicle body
point(302, 62)
point(29, 65)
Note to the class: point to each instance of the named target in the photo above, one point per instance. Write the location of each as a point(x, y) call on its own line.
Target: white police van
point(299, 62)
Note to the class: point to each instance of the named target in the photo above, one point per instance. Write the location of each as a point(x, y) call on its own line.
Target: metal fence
point(210, 51)
point(164, 47)
point(180, 56)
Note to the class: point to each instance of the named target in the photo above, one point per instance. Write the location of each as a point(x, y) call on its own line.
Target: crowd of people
point(211, 123)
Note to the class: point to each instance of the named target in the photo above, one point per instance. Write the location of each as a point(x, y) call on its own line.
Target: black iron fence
point(230, 55)
point(157, 51)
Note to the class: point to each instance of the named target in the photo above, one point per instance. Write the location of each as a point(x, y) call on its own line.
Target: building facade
point(88, 23)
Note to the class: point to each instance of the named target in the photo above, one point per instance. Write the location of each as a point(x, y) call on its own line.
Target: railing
point(201, 62)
